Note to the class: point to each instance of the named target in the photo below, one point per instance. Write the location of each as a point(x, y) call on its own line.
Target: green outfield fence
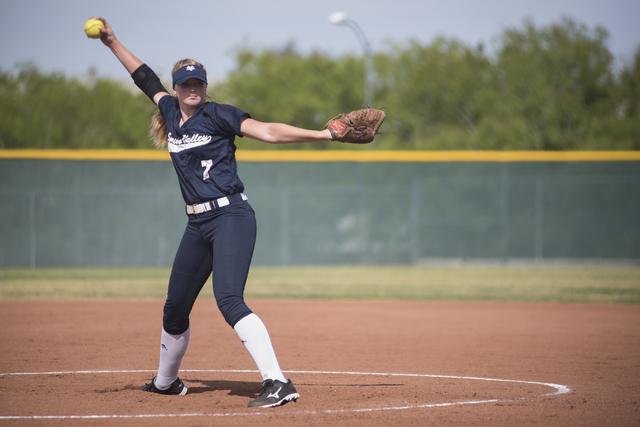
point(123, 208)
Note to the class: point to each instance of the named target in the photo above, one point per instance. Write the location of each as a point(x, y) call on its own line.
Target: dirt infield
point(354, 363)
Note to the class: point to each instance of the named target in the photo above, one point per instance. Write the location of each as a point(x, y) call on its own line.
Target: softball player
point(220, 235)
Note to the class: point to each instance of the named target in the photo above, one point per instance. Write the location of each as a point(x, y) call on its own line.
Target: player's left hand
point(356, 127)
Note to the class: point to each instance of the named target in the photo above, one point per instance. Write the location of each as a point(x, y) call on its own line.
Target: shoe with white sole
point(274, 393)
point(176, 388)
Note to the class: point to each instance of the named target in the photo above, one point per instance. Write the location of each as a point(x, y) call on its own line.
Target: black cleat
point(176, 388)
point(274, 393)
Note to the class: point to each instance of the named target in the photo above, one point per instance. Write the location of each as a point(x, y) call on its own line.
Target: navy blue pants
point(217, 243)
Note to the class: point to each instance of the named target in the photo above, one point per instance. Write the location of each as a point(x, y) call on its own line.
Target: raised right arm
point(128, 59)
point(143, 76)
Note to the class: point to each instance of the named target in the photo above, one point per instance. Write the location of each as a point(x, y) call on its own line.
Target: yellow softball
point(92, 28)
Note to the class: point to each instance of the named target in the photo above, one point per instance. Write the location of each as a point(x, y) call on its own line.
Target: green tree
point(629, 95)
point(554, 84)
point(284, 86)
point(436, 94)
point(51, 111)
point(619, 128)
point(548, 88)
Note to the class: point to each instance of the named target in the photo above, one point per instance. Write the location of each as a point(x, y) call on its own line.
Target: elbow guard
point(147, 81)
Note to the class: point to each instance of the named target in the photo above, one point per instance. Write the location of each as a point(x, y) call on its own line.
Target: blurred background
point(130, 213)
point(461, 74)
point(559, 76)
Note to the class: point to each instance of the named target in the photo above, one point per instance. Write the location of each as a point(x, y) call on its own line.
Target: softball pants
point(218, 243)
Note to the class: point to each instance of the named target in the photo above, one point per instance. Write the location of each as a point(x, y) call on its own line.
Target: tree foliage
point(51, 111)
point(549, 88)
point(558, 82)
point(283, 86)
point(436, 94)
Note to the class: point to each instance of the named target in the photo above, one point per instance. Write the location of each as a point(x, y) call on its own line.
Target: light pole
point(341, 18)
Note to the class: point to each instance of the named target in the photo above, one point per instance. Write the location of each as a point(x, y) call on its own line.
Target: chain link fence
point(130, 213)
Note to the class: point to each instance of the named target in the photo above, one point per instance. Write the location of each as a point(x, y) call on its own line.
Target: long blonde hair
point(158, 127)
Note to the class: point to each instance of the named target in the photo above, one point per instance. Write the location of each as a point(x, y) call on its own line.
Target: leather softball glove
point(356, 127)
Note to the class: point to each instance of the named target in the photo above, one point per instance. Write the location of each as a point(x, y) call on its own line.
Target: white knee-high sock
point(256, 340)
point(172, 350)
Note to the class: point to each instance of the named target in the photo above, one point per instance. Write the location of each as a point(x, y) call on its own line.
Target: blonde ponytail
point(158, 130)
point(158, 127)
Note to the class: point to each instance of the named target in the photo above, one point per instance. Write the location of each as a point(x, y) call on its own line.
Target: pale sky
point(160, 32)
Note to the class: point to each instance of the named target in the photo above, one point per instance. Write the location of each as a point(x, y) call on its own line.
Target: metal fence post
point(504, 213)
point(539, 218)
point(32, 229)
point(414, 222)
point(285, 225)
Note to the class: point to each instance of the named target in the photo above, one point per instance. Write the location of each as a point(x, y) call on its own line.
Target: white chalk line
point(559, 389)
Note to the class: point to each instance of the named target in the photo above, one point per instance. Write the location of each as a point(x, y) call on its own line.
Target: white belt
point(213, 204)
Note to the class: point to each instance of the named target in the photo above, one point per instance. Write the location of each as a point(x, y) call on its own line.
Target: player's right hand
point(108, 37)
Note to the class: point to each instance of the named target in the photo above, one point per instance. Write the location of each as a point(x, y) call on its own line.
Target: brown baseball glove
point(356, 127)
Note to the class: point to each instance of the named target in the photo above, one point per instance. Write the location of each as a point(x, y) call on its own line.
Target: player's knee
point(233, 309)
point(175, 325)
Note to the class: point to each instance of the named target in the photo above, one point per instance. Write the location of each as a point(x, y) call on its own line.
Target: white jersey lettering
point(187, 142)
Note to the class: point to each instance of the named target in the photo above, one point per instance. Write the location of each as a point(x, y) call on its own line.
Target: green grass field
point(603, 285)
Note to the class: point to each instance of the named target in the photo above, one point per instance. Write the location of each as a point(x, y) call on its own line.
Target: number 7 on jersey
point(206, 164)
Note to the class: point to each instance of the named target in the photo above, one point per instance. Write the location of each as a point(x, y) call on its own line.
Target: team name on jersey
point(187, 142)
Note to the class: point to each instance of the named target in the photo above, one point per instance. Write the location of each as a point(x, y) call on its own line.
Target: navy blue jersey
point(203, 149)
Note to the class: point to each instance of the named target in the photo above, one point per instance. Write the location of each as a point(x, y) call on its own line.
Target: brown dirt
point(593, 350)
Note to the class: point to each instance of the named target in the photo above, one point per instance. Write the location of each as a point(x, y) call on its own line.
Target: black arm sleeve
point(147, 81)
